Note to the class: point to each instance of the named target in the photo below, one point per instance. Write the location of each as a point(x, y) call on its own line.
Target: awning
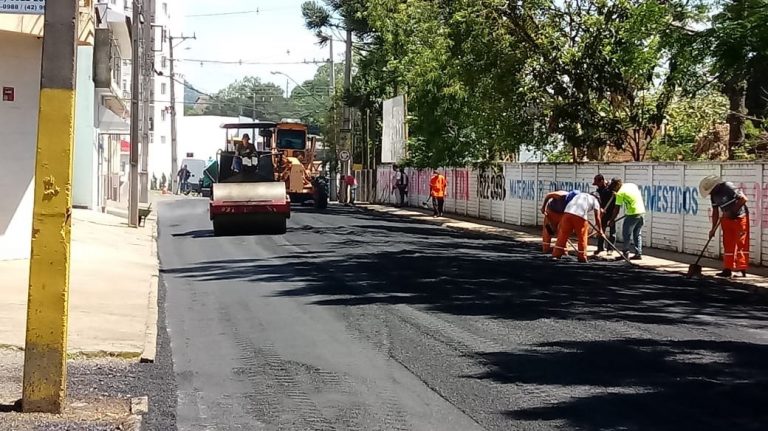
point(110, 123)
point(119, 23)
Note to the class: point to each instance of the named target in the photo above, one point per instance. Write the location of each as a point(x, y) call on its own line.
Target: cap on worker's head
point(708, 183)
point(598, 178)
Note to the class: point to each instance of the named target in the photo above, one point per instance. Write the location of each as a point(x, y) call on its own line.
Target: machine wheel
point(218, 229)
point(322, 201)
point(281, 227)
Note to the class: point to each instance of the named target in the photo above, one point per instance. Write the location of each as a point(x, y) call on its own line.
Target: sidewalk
point(113, 280)
point(662, 260)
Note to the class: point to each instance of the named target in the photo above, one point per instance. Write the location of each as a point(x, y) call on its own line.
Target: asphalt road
point(355, 321)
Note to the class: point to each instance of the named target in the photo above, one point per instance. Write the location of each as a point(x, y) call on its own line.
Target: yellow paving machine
point(297, 165)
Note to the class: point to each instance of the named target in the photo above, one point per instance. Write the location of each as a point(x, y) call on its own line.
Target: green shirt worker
point(630, 198)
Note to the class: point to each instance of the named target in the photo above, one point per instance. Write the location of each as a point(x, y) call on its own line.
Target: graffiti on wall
point(670, 199)
point(491, 186)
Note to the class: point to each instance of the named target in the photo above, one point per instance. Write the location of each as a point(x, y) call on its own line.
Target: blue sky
point(275, 34)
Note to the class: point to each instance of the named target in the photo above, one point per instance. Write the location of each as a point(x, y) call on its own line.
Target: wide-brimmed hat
point(708, 183)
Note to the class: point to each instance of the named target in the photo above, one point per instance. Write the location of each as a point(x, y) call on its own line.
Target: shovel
point(695, 269)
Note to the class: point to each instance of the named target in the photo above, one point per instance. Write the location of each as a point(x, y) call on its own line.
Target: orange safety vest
point(437, 186)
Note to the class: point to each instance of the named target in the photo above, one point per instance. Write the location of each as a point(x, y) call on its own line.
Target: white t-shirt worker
point(576, 221)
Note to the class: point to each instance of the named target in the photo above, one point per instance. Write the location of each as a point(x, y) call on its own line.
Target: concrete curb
point(513, 235)
point(150, 334)
point(132, 423)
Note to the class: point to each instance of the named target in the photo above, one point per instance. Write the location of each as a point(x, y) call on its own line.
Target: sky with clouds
point(233, 30)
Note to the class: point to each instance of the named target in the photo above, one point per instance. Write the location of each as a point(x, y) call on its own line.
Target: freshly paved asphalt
point(355, 321)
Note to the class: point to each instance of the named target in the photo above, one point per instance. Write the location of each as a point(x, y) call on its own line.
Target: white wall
point(85, 161)
point(160, 143)
point(677, 219)
point(202, 135)
point(19, 68)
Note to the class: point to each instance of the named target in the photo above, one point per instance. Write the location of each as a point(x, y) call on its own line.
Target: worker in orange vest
point(553, 209)
point(437, 186)
point(729, 209)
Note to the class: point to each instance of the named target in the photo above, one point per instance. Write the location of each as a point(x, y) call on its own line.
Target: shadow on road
point(650, 384)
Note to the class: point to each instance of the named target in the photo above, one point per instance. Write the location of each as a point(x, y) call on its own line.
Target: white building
point(168, 17)
point(200, 136)
point(20, 53)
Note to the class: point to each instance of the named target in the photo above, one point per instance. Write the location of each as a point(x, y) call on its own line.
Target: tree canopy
point(485, 78)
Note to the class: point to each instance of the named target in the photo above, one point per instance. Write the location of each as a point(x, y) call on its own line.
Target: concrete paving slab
point(111, 270)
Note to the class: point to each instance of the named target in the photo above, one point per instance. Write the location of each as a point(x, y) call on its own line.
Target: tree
point(738, 41)
point(251, 98)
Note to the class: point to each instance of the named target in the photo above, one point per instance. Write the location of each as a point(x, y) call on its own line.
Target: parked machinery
point(297, 165)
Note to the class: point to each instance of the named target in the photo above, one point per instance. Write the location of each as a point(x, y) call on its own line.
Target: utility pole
point(147, 69)
point(174, 137)
point(346, 113)
point(333, 70)
point(45, 355)
point(136, 66)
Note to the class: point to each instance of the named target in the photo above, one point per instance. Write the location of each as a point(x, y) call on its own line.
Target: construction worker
point(553, 209)
point(629, 196)
point(400, 184)
point(731, 203)
point(437, 186)
point(576, 220)
point(608, 204)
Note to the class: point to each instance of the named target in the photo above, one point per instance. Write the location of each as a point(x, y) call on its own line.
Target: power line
point(243, 12)
point(225, 102)
point(249, 63)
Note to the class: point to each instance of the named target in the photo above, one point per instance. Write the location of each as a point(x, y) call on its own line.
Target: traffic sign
point(344, 155)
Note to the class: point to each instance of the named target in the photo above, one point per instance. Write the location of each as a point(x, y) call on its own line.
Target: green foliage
point(487, 77)
point(251, 98)
point(688, 118)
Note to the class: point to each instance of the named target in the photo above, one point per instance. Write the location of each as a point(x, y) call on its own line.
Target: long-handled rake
point(608, 241)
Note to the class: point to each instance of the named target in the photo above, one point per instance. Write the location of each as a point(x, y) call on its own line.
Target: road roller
point(247, 195)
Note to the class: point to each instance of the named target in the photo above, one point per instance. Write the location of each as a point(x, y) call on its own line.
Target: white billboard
point(33, 7)
point(393, 130)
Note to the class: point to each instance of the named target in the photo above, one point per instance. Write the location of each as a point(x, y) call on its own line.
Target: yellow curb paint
point(45, 371)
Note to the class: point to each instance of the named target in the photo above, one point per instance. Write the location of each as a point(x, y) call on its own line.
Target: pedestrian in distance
point(729, 210)
point(183, 176)
point(351, 182)
point(576, 221)
point(437, 186)
point(629, 197)
point(401, 184)
point(395, 178)
point(553, 208)
point(608, 204)
point(187, 176)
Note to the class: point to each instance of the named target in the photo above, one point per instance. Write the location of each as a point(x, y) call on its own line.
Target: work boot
point(636, 257)
point(597, 253)
point(726, 273)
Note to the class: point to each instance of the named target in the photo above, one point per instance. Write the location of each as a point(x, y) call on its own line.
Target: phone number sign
point(34, 7)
